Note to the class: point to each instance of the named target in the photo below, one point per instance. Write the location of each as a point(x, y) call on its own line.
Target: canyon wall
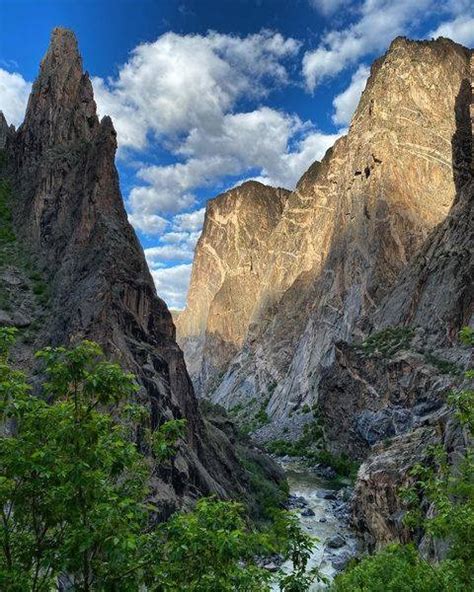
point(228, 268)
point(353, 224)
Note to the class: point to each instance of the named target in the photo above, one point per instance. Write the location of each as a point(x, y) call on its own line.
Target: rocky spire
point(61, 107)
point(70, 214)
point(6, 131)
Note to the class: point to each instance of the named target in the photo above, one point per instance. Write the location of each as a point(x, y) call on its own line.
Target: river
point(323, 514)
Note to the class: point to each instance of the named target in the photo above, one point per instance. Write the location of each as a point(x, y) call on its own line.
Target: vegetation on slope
point(76, 503)
point(312, 448)
point(449, 492)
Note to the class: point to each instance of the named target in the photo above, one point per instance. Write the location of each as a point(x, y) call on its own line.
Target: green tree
point(212, 548)
point(298, 547)
point(74, 491)
point(73, 484)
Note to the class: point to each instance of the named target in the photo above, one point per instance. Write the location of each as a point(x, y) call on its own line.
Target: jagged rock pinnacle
point(69, 212)
point(3, 130)
point(61, 106)
point(62, 61)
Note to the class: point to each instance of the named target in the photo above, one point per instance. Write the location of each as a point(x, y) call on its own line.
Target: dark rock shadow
point(461, 142)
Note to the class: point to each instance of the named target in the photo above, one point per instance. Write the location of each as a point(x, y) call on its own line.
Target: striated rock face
point(435, 294)
point(228, 269)
point(378, 508)
point(354, 222)
point(436, 291)
point(69, 212)
point(366, 399)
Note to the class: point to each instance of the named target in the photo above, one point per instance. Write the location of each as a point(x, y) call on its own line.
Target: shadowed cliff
point(69, 214)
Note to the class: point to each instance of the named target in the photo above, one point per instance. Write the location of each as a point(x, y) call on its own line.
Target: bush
point(398, 569)
point(388, 341)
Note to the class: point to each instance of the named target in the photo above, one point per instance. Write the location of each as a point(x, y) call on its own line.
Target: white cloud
point(345, 104)
point(461, 30)
point(129, 122)
point(181, 82)
point(177, 246)
point(183, 90)
point(329, 7)
point(14, 93)
point(379, 21)
point(172, 283)
point(280, 145)
point(156, 255)
point(150, 224)
point(191, 221)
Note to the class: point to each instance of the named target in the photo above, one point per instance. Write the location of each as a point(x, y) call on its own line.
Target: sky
point(205, 94)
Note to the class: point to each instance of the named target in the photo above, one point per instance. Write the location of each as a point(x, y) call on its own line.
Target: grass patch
point(444, 366)
point(247, 419)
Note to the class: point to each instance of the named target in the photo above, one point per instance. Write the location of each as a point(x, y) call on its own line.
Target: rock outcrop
point(69, 214)
point(353, 224)
point(228, 268)
point(6, 131)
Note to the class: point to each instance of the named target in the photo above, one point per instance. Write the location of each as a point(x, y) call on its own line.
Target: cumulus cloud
point(172, 283)
point(460, 29)
point(345, 104)
point(280, 145)
point(14, 93)
point(184, 92)
point(174, 246)
point(378, 22)
point(150, 224)
point(181, 82)
point(190, 221)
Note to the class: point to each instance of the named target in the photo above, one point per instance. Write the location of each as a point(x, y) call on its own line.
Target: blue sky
point(207, 93)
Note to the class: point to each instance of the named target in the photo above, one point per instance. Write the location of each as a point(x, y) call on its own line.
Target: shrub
point(398, 569)
point(388, 341)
